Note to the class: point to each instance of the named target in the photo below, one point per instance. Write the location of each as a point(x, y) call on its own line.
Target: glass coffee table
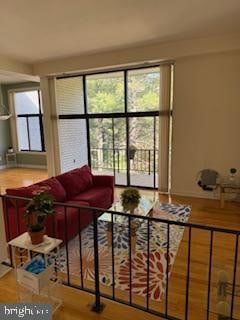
point(145, 208)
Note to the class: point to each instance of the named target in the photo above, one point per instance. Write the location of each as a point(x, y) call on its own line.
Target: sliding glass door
point(108, 147)
point(107, 131)
point(143, 87)
point(143, 151)
point(123, 126)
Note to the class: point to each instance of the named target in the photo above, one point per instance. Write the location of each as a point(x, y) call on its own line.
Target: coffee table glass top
point(144, 208)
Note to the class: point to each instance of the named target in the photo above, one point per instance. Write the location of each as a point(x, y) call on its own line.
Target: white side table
point(11, 159)
point(228, 187)
point(22, 252)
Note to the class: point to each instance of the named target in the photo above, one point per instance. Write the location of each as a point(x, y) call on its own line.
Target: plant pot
point(37, 236)
point(32, 219)
point(130, 207)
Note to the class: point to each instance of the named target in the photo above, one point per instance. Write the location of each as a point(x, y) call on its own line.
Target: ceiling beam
point(11, 65)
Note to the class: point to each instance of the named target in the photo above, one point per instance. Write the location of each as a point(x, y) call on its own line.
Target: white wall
point(141, 54)
point(206, 101)
point(206, 124)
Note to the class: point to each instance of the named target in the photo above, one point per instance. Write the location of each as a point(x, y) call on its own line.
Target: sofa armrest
point(103, 181)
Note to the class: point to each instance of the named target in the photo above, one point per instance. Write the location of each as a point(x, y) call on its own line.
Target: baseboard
point(31, 166)
point(208, 195)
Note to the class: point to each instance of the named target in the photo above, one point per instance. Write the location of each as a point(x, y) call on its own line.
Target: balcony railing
point(196, 268)
point(141, 160)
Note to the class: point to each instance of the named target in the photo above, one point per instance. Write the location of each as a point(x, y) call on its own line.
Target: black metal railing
point(221, 250)
point(141, 160)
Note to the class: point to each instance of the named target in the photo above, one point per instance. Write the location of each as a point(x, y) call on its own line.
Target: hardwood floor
point(77, 304)
point(18, 177)
point(206, 212)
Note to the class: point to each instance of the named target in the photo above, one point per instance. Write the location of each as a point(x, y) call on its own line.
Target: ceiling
point(33, 31)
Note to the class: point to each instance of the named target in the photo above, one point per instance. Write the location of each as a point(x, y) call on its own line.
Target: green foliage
point(143, 90)
point(130, 197)
point(105, 94)
point(37, 210)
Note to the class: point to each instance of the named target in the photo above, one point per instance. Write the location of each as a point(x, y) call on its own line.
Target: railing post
point(234, 276)
point(188, 272)
point(118, 160)
point(97, 305)
point(66, 240)
point(149, 162)
point(167, 269)
point(209, 274)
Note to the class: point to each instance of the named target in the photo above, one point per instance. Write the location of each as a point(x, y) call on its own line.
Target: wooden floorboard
point(18, 177)
point(205, 212)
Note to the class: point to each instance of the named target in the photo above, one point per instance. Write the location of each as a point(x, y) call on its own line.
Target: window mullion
point(41, 122)
point(87, 119)
point(29, 141)
point(41, 132)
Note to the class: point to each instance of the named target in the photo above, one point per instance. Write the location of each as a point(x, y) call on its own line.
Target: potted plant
point(37, 210)
point(130, 198)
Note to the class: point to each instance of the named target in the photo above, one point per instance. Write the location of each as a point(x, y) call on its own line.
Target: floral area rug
point(157, 253)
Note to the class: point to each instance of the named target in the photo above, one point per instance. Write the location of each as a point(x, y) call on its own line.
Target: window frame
point(126, 113)
point(13, 121)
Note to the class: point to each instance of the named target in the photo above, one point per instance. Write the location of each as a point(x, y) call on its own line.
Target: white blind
point(72, 133)
point(72, 143)
point(70, 95)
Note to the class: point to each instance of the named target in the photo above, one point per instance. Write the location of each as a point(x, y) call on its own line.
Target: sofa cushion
point(15, 224)
point(55, 188)
point(99, 197)
point(85, 214)
point(25, 192)
point(76, 181)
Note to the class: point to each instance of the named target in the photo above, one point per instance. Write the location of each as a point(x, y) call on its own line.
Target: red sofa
point(76, 187)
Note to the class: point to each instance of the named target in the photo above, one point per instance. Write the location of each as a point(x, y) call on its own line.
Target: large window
point(110, 120)
point(29, 125)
